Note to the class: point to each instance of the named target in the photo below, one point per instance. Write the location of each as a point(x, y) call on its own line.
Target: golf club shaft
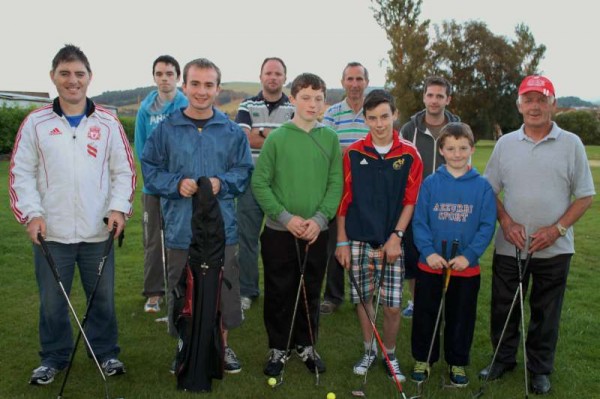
point(302, 265)
point(107, 248)
point(379, 341)
point(289, 341)
point(372, 340)
point(50, 260)
point(523, 339)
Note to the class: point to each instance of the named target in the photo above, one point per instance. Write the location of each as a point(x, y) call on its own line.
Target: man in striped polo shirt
point(258, 115)
point(346, 118)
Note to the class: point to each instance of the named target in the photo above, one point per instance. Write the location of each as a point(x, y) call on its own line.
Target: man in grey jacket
point(422, 130)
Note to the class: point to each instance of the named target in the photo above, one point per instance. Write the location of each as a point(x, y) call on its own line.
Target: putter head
point(359, 393)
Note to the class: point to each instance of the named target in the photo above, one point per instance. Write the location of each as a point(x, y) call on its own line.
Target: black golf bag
point(197, 315)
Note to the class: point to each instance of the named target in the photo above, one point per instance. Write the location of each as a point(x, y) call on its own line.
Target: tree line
point(485, 69)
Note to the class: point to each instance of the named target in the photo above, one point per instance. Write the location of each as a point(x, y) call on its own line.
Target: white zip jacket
point(72, 177)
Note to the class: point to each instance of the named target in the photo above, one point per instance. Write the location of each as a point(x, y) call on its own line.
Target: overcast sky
point(122, 38)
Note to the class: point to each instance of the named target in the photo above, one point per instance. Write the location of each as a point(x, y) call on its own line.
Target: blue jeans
point(250, 218)
point(55, 330)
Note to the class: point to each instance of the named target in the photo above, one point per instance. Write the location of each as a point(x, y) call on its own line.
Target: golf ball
point(271, 381)
point(330, 395)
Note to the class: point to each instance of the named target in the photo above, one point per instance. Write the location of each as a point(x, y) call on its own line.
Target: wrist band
point(342, 244)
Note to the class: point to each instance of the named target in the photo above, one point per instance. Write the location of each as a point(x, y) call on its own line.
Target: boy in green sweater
point(298, 184)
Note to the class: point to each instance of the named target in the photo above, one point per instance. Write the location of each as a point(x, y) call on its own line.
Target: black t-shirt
point(200, 123)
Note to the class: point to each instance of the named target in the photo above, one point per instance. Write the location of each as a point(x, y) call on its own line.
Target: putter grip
point(48, 256)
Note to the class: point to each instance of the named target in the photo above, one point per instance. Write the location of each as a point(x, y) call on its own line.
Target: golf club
point(107, 248)
point(289, 341)
point(448, 272)
point(379, 341)
point(50, 260)
point(361, 391)
point(301, 265)
point(446, 276)
point(514, 301)
point(520, 267)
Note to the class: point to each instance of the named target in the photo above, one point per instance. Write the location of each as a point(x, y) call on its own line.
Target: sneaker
point(173, 367)
point(328, 307)
point(458, 377)
point(311, 358)
point(420, 372)
point(113, 367)
point(277, 359)
point(43, 375)
point(365, 363)
point(152, 304)
point(407, 313)
point(232, 364)
point(246, 302)
point(395, 366)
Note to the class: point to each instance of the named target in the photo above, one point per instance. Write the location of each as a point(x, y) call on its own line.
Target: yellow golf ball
point(271, 381)
point(330, 395)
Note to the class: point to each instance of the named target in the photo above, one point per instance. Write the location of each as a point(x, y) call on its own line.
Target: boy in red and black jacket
point(382, 175)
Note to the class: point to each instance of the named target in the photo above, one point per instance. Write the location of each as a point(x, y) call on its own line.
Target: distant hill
point(572, 102)
point(232, 93)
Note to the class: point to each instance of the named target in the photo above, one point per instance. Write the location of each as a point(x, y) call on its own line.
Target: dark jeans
point(334, 287)
point(55, 325)
point(282, 278)
point(549, 279)
point(460, 315)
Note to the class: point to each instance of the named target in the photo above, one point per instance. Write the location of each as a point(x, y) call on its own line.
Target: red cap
point(537, 83)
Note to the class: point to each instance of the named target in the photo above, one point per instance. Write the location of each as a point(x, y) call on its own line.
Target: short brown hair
point(457, 130)
point(305, 80)
point(201, 63)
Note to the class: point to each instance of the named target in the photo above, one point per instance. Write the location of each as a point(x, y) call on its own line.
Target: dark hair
point(376, 97)
point(438, 81)
point(167, 59)
point(355, 64)
point(274, 59)
point(305, 80)
point(70, 53)
point(457, 130)
point(201, 63)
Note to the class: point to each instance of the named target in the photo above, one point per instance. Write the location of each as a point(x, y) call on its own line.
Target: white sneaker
point(246, 302)
point(365, 363)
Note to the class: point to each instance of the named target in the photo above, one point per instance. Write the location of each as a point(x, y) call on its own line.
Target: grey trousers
point(231, 308)
point(154, 274)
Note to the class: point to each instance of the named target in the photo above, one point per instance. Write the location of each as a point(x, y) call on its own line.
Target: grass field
point(147, 350)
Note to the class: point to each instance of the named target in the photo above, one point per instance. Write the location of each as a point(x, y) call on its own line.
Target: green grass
point(147, 350)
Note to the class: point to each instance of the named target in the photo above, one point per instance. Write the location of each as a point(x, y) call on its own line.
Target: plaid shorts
point(366, 268)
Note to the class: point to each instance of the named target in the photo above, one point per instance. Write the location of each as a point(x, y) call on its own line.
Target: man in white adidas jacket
point(71, 167)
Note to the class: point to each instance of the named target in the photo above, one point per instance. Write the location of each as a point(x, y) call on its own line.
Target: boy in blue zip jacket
point(190, 143)
point(455, 203)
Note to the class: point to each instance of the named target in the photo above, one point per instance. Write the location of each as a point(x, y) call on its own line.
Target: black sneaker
point(113, 367)
point(43, 375)
point(277, 359)
point(232, 364)
point(311, 358)
point(395, 366)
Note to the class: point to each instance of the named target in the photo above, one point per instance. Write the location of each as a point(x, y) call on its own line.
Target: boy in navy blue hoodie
point(455, 203)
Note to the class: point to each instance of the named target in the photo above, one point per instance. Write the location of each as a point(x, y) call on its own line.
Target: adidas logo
point(55, 132)
point(364, 162)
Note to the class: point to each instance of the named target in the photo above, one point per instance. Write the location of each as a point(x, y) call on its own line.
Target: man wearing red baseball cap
point(547, 184)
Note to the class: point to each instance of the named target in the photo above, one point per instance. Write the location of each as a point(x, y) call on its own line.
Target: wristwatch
point(261, 132)
point(562, 230)
point(399, 233)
